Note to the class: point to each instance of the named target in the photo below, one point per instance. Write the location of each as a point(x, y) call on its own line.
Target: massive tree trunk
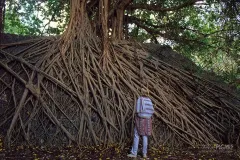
point(79, 28)
point(117, 15)
point(103, 7)
point(82, 88)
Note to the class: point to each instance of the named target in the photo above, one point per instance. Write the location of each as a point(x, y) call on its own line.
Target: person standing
point(143, 123)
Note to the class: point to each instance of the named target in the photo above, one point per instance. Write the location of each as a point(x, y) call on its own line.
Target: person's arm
point(138, 105)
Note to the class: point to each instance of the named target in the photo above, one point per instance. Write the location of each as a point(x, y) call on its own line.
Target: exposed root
point(63, 90)
point(56, 99)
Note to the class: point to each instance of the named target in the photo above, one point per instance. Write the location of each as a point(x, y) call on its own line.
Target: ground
point(215, 152)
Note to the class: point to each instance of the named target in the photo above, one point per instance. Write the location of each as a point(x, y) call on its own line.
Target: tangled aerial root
point(57, 91)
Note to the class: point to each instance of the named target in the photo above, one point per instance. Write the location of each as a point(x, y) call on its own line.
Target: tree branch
point(170, 36)
point(120, 5)
point(155, 29)
point(141, 25)
point(158, 8)
point(132, 19)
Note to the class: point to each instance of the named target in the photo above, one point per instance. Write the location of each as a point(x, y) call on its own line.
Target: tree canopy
point(207, 31)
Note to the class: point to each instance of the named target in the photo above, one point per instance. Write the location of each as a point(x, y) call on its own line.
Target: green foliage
point(211, 40)
point(35, 17)
point(14, 25)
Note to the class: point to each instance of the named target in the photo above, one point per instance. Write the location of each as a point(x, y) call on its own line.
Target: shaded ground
point(215, 152)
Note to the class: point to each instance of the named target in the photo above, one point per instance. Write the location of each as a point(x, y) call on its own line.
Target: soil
point(12, 38)
point(115, 152)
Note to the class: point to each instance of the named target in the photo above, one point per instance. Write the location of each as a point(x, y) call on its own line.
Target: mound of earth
point(173, 83)
point(162, 52)
point(169, 56)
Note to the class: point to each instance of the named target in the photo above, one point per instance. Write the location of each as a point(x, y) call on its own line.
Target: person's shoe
point(144, 156)
point(132, 155)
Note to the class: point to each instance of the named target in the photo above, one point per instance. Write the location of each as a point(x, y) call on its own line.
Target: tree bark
point(103, 8)
point(118, 19)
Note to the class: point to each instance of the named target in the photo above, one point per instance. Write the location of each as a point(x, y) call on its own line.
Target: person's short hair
point(144, 91)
